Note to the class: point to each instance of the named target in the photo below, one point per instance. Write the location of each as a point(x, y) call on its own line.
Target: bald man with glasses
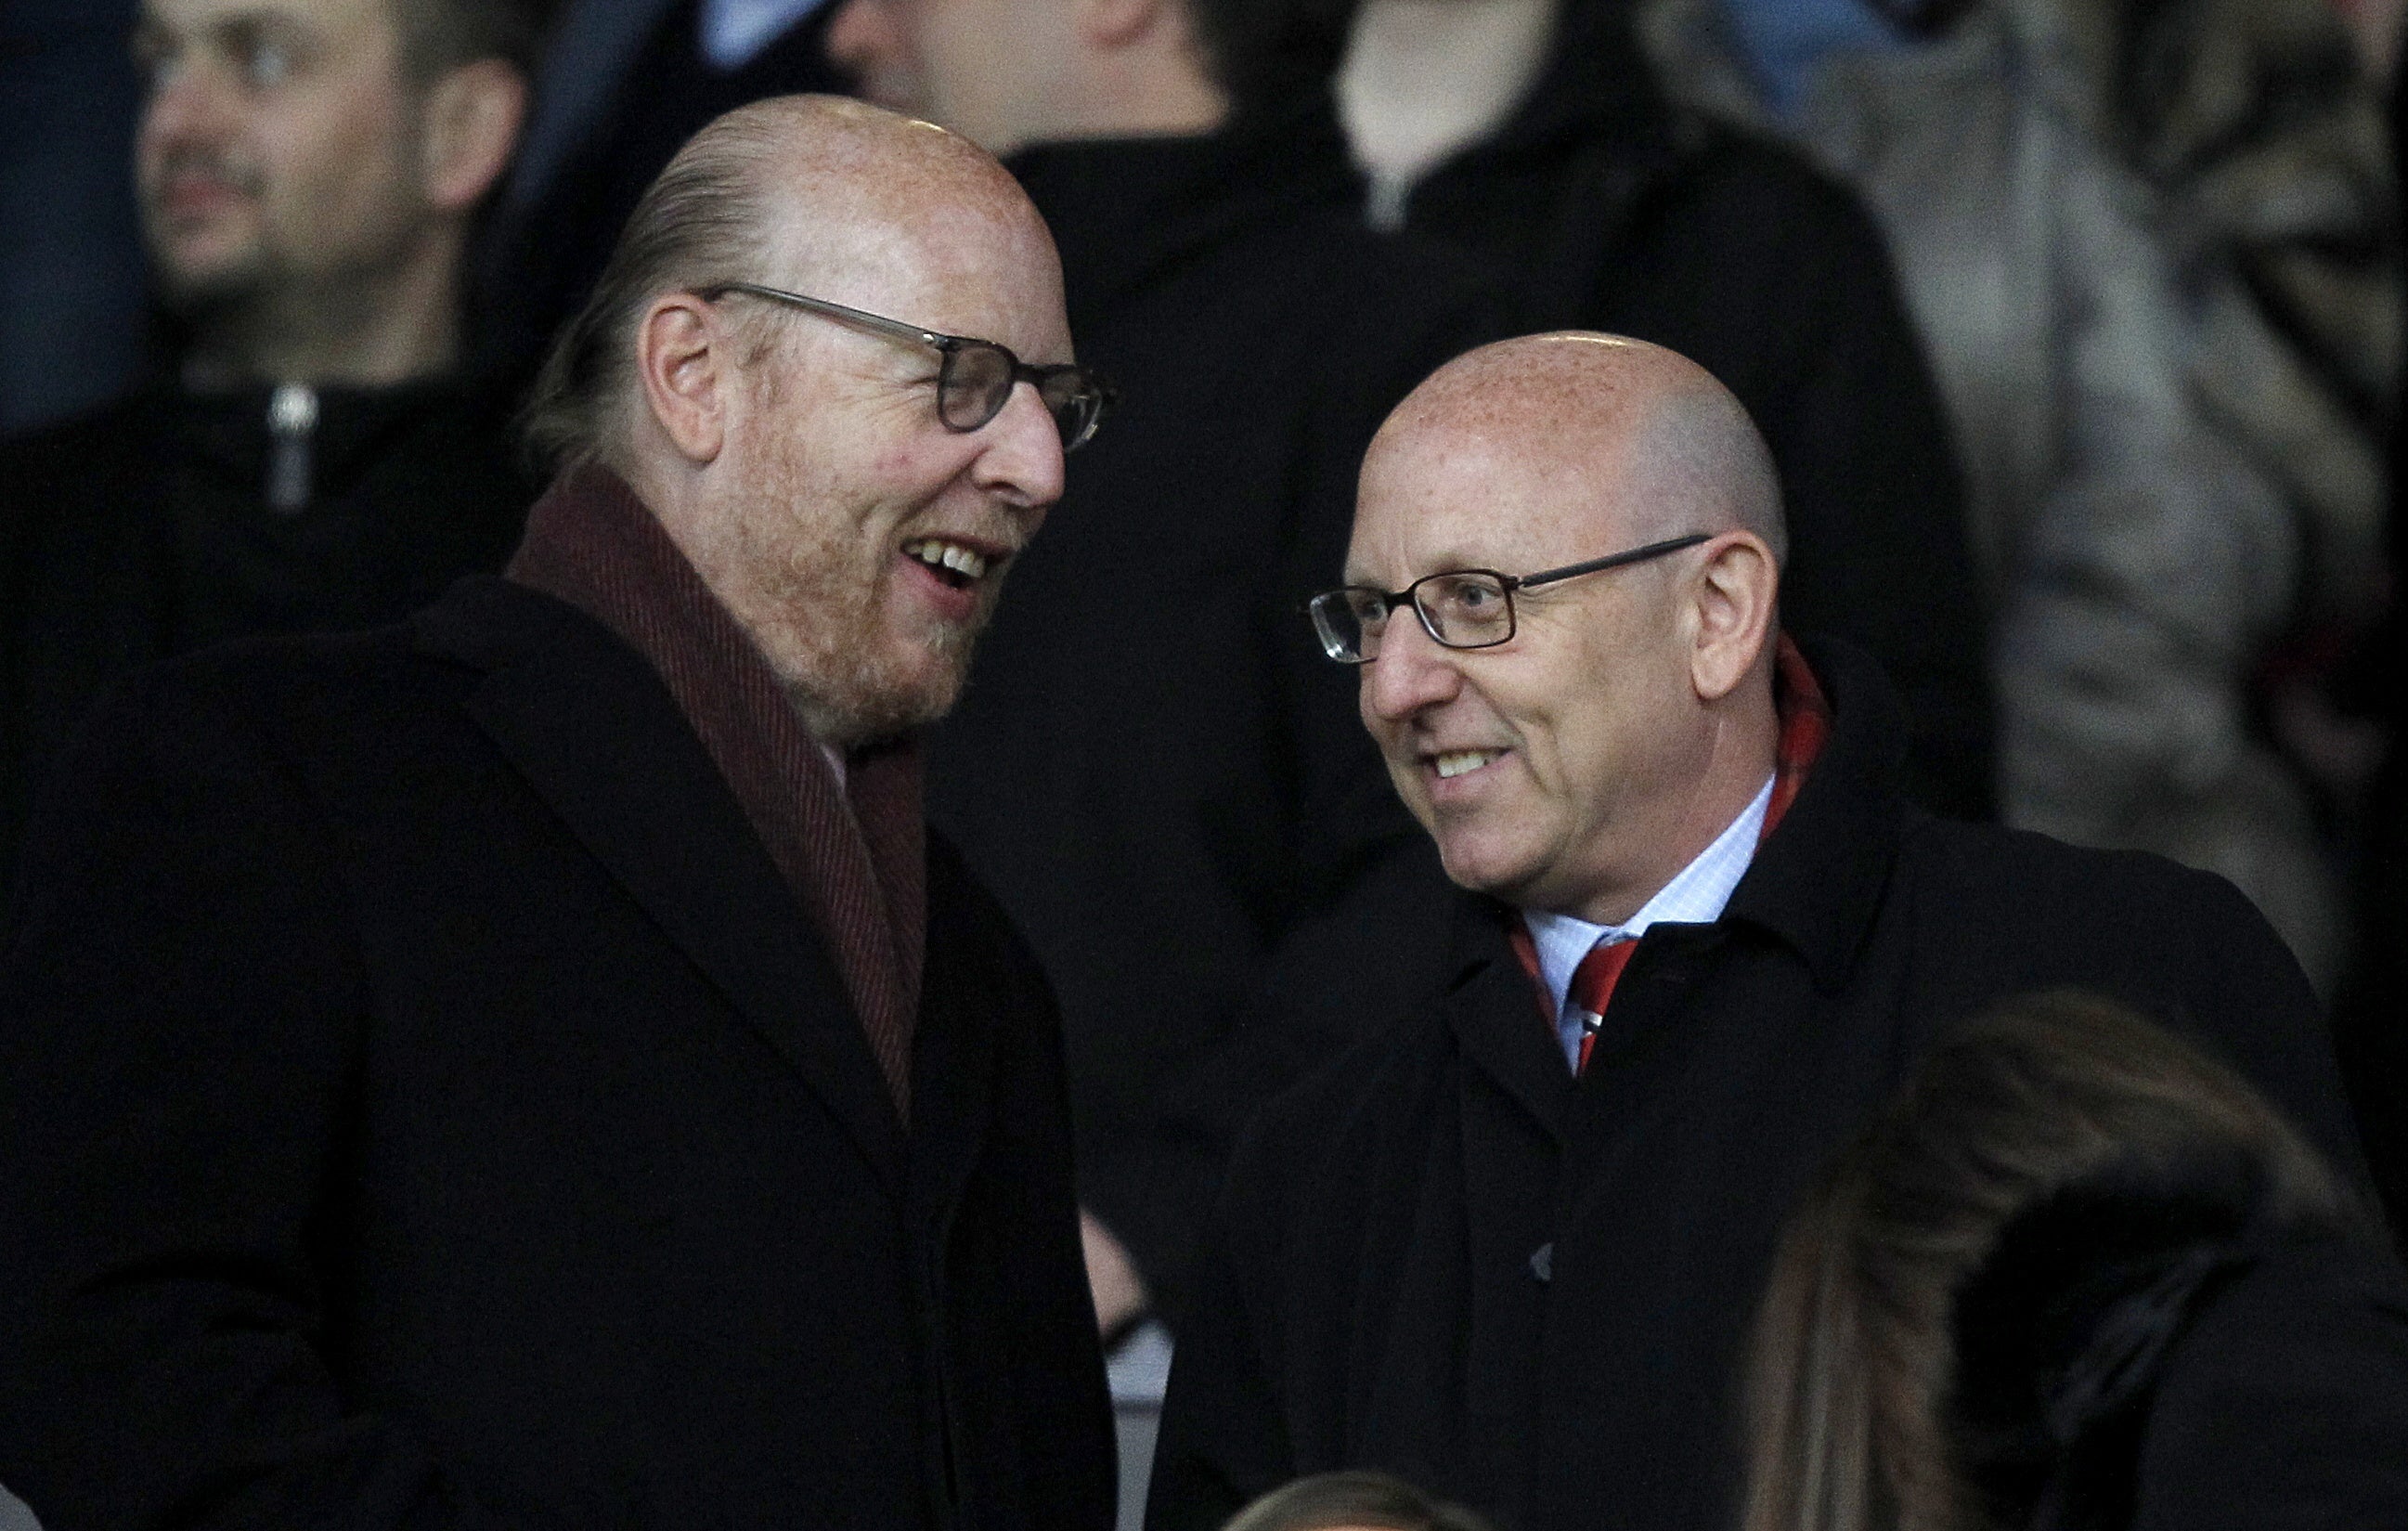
point(531, 1065)
point(1681, 932)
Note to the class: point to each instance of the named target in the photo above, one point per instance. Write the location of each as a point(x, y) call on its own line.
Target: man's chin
point(894, 706)
point(196, 285)
point(1484, 868)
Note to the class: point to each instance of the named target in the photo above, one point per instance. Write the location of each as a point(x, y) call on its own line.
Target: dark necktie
point(1592, 990)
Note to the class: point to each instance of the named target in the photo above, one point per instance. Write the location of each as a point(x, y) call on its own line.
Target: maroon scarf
point(854, 850)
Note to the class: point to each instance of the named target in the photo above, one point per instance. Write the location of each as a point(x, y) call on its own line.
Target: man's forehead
point(1449, 496)
point(319, 17)
point(966, 265)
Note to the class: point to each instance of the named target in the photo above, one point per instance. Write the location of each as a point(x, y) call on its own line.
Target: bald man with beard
point(529, 1066)
point(1686, 933)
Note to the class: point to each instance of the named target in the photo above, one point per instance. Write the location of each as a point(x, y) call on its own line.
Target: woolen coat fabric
point(1155, 765)
point(426, 1105)
point(1602, 207)
point(1443, 1256)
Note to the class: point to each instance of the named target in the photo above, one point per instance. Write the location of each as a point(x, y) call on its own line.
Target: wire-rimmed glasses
point(974, 377)
point(1460, 609)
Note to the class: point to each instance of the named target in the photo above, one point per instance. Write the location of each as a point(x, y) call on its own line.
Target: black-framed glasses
point(974, 377)
point(1461, 608)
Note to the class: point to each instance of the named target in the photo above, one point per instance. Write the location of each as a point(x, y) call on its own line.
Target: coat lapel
point(1496, 1021)
point(1516, 1096)
point(593, 731)
point(954, 1050)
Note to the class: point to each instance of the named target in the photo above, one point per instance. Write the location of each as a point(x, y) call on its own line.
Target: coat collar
point(596, 732)
point(1816, 885)
point(355, 427)
point(1497, 1019)
point(1817, 881)
point(1125, 210)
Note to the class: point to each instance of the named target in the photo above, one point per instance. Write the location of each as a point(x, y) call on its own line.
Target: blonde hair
point(1853, 1361)
point(1328, 1500)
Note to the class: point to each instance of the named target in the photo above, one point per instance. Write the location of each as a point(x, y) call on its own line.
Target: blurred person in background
point(1530, 136)
point(2371, 1013)
point(72, 332)
point(2153, 249)
point(308, 170)
point(2078, 1277)
point(621, 85)
point(1351, 1501)
point(1153, 765)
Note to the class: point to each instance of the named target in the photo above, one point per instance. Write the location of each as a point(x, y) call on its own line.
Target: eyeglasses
point(1461, 608)
point(974, 377)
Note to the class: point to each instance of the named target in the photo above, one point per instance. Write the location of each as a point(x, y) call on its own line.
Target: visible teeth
point(1455, 762)
point(940, 554)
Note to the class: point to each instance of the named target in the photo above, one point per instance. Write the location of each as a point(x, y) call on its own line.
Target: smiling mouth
point(1454, 763)
point(954, 562)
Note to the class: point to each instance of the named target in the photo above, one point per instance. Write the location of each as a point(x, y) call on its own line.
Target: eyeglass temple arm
point(880, 322)
point(1653, 550)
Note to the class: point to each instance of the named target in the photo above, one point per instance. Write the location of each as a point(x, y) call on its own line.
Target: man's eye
point(266, 65)
point(1471, 597)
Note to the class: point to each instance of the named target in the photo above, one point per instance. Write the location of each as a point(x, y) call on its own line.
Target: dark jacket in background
point(1443, 1257)
point(1606, 209)
point(624, 84)
point(427, 1106)
point(1155, 767)
point(143, 530)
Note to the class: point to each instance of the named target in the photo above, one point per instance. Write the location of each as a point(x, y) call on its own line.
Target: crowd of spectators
point(2073, 329)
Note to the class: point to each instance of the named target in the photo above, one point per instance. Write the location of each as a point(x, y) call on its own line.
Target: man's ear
point(471, 119)
point(683, 356)
point(1116, 23)
point(1735, 593)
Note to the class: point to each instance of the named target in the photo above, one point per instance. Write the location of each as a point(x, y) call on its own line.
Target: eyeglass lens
point(976, 382)
point(1470, 610)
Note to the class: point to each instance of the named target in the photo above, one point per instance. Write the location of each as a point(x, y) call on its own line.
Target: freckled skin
point(1620, 751)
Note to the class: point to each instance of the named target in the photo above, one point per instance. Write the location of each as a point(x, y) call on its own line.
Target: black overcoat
point(424, 1104)
point(1440, 1256)
point(1154, 765)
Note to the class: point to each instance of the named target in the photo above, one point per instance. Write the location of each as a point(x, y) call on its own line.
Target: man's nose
point(1022, 462)
point(186, 106)
point(1412, 671)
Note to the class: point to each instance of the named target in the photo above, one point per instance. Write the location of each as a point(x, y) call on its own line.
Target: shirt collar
point(1696, 895)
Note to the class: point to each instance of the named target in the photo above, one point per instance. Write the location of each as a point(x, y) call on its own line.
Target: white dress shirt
point(1696, 895)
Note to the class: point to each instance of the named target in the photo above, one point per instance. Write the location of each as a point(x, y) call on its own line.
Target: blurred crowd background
point(2073, 325)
